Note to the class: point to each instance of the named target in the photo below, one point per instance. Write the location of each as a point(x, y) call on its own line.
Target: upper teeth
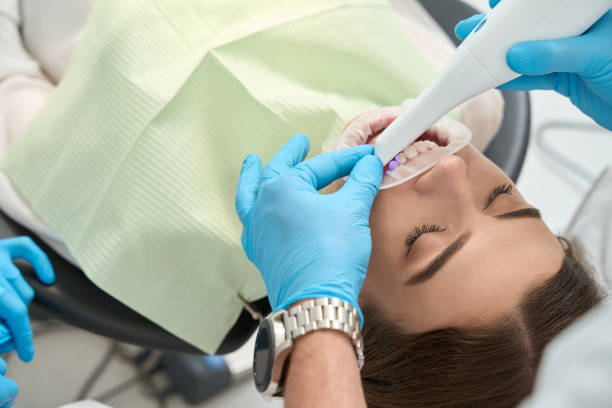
point(414, 149)
point(410, 152)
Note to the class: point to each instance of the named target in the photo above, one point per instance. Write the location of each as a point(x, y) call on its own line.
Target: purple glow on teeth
point(393, 164)
point(398, 159)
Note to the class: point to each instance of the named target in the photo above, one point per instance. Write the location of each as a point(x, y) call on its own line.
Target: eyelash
point(497, 191)
point(418, 231)
point(429, 228)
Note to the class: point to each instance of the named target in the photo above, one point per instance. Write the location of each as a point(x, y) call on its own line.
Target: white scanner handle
point(479, 64)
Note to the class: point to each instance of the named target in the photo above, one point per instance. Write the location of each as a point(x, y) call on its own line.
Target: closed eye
point(496, 192)
point(418, 232)
point(413, 236)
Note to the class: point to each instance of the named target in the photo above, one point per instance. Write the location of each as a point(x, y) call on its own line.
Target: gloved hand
point(579, 68)
point(8, 388)
point(16, 294)
point(305, 244)
point(6, 340)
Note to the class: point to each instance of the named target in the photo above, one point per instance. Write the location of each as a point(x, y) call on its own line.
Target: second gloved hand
point(579, 68)
point(16, 294)
point(8, 388)
point(305, 244)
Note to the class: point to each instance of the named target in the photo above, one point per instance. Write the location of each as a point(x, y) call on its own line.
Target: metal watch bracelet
point(325, 313)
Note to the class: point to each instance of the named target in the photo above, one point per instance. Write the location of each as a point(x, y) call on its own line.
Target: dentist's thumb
point(364, 181)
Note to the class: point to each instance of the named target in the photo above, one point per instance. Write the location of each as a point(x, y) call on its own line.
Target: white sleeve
point(576, 370)
point(23, 86)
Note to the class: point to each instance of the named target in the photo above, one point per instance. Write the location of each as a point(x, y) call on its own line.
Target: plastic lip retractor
point(444, 138)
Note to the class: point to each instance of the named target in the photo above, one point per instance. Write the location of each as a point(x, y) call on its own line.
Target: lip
point(434, 134)
point(365, 128)
point(377, 120)
point(372, 139)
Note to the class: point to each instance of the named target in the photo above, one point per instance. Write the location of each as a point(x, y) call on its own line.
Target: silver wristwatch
point(277, 332)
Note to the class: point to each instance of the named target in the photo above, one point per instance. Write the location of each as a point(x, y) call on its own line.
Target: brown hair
point(492, 367)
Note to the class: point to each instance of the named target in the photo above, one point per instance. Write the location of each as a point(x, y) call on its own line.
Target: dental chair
point(75, 300)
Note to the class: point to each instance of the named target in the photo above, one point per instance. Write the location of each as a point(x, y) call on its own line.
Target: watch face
point(264, 356)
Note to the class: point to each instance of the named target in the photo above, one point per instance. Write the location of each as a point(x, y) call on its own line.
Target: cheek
point(381, 259)
point(395, 213)
point(385, 249)
point(386, 234)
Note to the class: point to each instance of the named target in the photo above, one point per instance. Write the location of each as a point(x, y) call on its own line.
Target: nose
point(451, 166)
point(447, 182)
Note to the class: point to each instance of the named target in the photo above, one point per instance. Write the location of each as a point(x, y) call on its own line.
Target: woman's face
point(457, 246)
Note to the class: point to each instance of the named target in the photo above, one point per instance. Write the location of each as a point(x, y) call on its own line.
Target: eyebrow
point(522, 213)
point(459, 243)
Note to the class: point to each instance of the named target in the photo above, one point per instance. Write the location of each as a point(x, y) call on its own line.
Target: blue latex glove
point(579, 68)
point(16, 294)
point(8, 388)
point(6, 340)
point(305, 244)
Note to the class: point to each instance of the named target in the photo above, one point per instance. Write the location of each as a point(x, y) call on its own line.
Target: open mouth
point(366, 128)
point(444, 138)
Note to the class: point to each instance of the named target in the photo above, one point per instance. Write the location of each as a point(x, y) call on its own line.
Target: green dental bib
point(134, 159)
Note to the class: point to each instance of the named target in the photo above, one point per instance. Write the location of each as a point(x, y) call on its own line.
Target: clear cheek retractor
point(446, 137)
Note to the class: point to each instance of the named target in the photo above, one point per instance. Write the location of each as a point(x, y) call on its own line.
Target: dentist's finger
point(536, 58)
point(465, 27)
point(531, 83)
point(364, 181)
point(322, 170)
point(290, 155)
point(4, 283)
point(248, 184)
point(8, 392)
point(26, 248)
point(15, 314)
point(6, 345)
point(13, 276)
